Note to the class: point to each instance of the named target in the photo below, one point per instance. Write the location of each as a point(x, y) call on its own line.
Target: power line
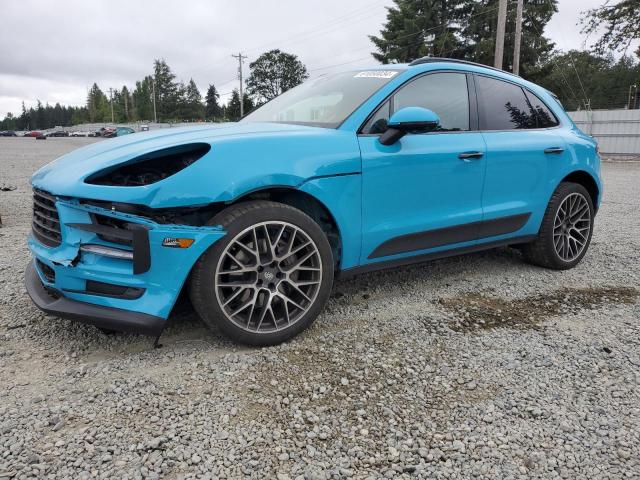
point(310, 33)
point(576, 97)
point(240, 58)
point(345, 17)
point(574, 66)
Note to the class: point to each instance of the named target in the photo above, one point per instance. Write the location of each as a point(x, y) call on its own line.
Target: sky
point(54, 51)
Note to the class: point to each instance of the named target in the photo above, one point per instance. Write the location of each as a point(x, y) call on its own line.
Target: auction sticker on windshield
point(376, 74)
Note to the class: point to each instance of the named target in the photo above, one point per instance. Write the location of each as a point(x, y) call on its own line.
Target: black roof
point(422, 60)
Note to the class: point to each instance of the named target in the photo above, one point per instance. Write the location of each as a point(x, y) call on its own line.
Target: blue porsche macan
point(344, 174)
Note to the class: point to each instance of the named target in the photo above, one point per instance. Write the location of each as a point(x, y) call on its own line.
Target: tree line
point(269, 75)
point(462, 29)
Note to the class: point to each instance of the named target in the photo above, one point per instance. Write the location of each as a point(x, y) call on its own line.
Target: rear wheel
point(268, 278)
point(565, 233)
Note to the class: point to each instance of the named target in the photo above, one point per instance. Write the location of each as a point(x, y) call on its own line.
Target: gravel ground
point(478, 366)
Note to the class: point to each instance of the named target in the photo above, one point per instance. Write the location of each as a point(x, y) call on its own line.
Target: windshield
point(325, 101)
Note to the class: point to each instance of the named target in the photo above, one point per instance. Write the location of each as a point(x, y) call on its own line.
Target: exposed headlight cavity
point(151, 167)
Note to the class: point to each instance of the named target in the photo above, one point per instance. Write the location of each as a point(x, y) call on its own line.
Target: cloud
point(53, 51)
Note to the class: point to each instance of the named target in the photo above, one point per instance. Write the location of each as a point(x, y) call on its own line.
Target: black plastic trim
point(423, 60)
point(450, 235)
point(141, 249)
point(98, 229)
point(474, 119)
point(100, 316)
point(110, 290)
point(401, 262)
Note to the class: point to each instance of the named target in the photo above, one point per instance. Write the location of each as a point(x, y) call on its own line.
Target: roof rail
point(422, 60)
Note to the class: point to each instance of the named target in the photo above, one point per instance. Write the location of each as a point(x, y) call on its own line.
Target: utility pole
point(153, 94)
point(111, 101)
point(240, 58)
point(518, 39)
point(502, 25)
point(126, 106)
point(630, 104)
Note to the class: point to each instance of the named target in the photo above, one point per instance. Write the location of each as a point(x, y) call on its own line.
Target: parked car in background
point(101, 132)
point(58, 133)
point(33, 133)
point(347, 173)
point(79, 133)
point(8, 133)
point(118, 132)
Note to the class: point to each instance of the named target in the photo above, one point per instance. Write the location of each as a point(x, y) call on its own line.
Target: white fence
point(92, 127)
point(617, 131)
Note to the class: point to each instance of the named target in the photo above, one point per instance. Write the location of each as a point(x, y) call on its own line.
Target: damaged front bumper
point(117, 278)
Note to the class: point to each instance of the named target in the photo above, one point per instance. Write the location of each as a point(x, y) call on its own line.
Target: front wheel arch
point(306, 203)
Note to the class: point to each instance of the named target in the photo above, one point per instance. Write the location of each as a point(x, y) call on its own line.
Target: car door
point(424, 192)
point(523, 148)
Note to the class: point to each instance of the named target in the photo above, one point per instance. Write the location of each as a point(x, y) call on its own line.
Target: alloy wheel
point(268, 277)
point(571, 227)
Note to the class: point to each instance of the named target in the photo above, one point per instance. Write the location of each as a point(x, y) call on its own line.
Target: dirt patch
point(475, 311)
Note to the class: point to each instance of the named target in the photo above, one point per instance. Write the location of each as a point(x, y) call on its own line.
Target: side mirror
point(409, 120)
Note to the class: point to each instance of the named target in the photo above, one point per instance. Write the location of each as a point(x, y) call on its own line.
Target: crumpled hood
point(83, 162)
point(237, 149)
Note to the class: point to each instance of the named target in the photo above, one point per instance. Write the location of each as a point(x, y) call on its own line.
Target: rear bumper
point(53, 303)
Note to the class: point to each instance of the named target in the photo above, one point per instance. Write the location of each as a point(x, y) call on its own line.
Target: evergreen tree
point(194, 110)
point(24, 122)
point(57, 115)
point(125, 105)
point(98, 105)
point(579, 77)
point(233, 107)
point(142, 100)
point(166, 88)
point(213, 110)
point(417, 28)
point(272, 73)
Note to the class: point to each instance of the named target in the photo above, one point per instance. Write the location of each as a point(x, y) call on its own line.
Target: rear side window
point(503, 106)
point(544, 116)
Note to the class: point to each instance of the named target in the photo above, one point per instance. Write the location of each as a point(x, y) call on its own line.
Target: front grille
point(46, 223)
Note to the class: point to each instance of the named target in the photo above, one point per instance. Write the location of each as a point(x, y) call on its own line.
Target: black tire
point(542, 251)
point(235, 220)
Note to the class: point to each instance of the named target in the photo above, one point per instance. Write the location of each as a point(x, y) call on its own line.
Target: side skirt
point(450, 235)
point(400, 262)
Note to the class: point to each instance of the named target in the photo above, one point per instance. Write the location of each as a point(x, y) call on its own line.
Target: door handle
point(553, 150)
point(470, 155)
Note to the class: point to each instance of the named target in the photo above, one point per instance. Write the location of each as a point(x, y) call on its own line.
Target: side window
point(545, 117)
point(444, 93)
point(502, 105)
